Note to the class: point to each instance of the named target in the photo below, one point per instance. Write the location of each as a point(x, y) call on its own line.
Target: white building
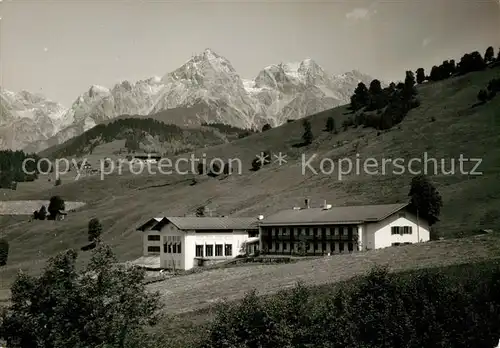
point(329, 230)
point(187, 242)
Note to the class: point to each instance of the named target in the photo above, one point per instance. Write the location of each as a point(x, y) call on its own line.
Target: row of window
point(316, 231)
point(156, 237)
point(209, 250)
point(170, 248)
point(316, 246)
point(401, 230)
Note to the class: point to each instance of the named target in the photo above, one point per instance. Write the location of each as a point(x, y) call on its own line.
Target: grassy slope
point(122, 202)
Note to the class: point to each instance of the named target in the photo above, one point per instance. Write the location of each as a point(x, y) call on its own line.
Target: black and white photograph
point(249, 174)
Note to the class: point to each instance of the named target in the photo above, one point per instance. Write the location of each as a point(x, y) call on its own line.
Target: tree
point(200, 211)
point(482, 96)
point(42, 213)
point(256, 164)
point(55, 205)
point(4, 251)
point(420, 75)
point(435, 74)
point(489, 55)
point(94, 229)
point(201, 169)
point(360, 98)
point(330, 125)
point(104, 305)
point(266, 127)
point(425, 199)
point(307, 137)
point(409, 90)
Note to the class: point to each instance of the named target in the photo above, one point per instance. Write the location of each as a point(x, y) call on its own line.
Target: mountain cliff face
point(208, 85)
point(27, 117)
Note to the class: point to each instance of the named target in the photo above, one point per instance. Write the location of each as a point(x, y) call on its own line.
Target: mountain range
point(206, 89)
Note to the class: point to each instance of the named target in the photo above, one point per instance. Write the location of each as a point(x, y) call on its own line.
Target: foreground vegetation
point(449, 307)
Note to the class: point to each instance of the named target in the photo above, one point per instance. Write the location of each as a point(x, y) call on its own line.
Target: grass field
point(122, 202)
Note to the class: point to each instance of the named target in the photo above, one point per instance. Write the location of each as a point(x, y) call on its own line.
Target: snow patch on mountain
point(208, 85)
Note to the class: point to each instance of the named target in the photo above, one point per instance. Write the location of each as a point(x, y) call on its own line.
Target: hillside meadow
point(446, 125)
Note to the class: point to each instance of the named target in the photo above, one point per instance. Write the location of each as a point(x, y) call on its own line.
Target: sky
point(60, 48)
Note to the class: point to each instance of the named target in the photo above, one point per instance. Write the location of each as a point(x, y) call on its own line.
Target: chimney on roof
point(307, 205)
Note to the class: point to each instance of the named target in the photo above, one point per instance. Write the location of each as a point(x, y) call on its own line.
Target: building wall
point(372, 235)
point(173, 260)
point(147, 243)
point(380, 235)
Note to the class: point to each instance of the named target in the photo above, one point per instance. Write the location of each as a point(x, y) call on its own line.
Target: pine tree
point(330, 125)
point(420, 75)
point(307, 137)
point(94, 229)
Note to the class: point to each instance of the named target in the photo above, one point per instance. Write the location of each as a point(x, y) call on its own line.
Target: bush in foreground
point(381, 310)
point(105, 305)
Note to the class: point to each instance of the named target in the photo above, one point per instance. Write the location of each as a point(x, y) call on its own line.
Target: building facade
point(186, 242)
point(330, 230)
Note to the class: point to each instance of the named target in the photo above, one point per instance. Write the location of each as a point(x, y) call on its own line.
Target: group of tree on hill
point(469, 62)
point(56, 205)
point(392, 103)
point(11, 168)
point(490, 92)
point(130, 129)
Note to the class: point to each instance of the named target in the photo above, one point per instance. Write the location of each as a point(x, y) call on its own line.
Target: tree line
point(11, 168)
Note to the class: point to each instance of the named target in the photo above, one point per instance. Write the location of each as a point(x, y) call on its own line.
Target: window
point(307, 231)
point(153, 249)
point(276, 246)
point(323, 246)
point(218, 250)
point(315, 231)
point(174, 248)
point(350, 247)
point(308, 246)
point(332, 246)
point(341, 247)
point(228, 250)
point(401, 230)
point(209, 250)
point(315, 245)
point(153, 237)
point(284, 245)
point(396, 244)
point(169, 249)
point(199, 251)
point(164, 248)
point(179, 250)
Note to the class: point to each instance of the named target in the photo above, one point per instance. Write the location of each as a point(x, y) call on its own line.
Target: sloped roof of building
point(202, 223)
point(334, 215)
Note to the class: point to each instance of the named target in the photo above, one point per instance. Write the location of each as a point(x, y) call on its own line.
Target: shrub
point(482, 96)
point(94, 229)
point(256, 164)
point(4, 252)
point(307, 136)
point(330, 125)
point(266, 127)
point(104, 305)
point(55, 205)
